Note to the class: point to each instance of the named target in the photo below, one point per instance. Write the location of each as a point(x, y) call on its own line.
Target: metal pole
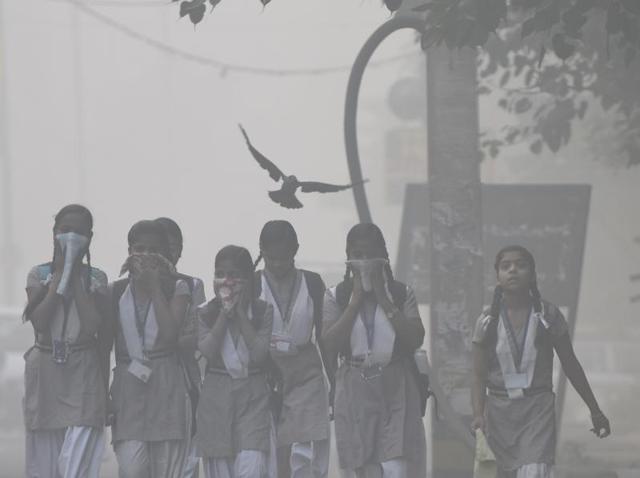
point(78, 96)
point(8, 249)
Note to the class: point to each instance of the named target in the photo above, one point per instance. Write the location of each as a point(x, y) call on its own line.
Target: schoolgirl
point(234, 421)
point(296, 297)
point(66, 371)
point(513, 399)
point(148, 392)
point(371, 323)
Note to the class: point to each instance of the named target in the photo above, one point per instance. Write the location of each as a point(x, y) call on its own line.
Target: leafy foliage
point(595, 46)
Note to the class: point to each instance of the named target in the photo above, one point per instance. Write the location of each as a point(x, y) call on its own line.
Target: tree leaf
point(528, 27)
point(214, 3)
point(393, 5)
point(561, 48)
point(194, 8)
point(522, 105)
point(536, 146)
point(430, 37)
point(505, 78)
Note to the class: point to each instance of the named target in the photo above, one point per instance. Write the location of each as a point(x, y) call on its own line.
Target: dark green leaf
point(561, 48)
point(528, 27)
point(194, 8)
point(536, 147)
point(522, 105)
point(505, 78)
point(393, 5)
point(431, 37)
point(582, 109)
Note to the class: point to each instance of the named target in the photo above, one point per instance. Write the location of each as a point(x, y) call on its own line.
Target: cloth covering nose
point(72, 245)
point(366, 268)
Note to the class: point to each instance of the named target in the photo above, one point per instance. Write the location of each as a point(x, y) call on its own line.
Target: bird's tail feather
point(285, 199)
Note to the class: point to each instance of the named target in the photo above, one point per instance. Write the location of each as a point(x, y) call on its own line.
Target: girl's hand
point(601, 426)
point(243, 302)
point(478, 423)
point(357, 294)
point(379, 284)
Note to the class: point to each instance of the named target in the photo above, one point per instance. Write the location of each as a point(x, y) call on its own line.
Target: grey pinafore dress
point(234, 414)
point(305, 407)
point(70, 394)
point(377, 418)
point(521, 430)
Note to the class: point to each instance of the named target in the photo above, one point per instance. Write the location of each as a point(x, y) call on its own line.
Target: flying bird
point(286, 195)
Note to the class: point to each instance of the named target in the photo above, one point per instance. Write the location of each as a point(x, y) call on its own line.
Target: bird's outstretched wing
point(264, 163)
point(316, 187)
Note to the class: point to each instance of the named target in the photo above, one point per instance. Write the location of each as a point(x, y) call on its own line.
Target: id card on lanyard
point(138, 368)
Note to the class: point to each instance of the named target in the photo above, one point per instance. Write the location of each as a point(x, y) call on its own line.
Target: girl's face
point(364, 249)
point(279, 260)
point(146, 244)
point(226, 269)
point(514, 272)
point(73, 222)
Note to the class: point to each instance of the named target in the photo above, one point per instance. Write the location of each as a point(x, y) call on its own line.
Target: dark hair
point(149, 227)
point(68, 209)
point(241, 258)
point(496, 303)
point(277, 232)
point(171, 227)
point(367, 231)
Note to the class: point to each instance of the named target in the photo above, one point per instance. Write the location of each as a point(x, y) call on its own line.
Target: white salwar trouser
point(246, 464)
point(150, 459)
point(310, 459)
point(532, 470)
point(396, 468)
point(73, 452)
point(191, 461)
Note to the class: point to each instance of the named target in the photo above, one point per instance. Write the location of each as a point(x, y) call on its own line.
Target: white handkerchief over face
point(72, 245)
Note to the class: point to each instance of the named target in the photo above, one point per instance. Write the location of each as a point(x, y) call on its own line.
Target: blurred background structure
point(124, 107)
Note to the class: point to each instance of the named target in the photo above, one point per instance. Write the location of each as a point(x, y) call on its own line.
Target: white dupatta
point(517, 379)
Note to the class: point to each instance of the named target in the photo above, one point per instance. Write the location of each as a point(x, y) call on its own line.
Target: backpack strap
point(316, 291)
point(117, 289)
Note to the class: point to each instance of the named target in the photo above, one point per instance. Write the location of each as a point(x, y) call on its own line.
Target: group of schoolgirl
point(257, 403)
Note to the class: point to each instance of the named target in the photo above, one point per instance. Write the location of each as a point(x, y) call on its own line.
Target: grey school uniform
point(188, 348)
point(234, 414)
point(521, 430)
point(235, 433)
point(65, 404)
point(304, 419)
point(150, 429)
point(377, 419)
